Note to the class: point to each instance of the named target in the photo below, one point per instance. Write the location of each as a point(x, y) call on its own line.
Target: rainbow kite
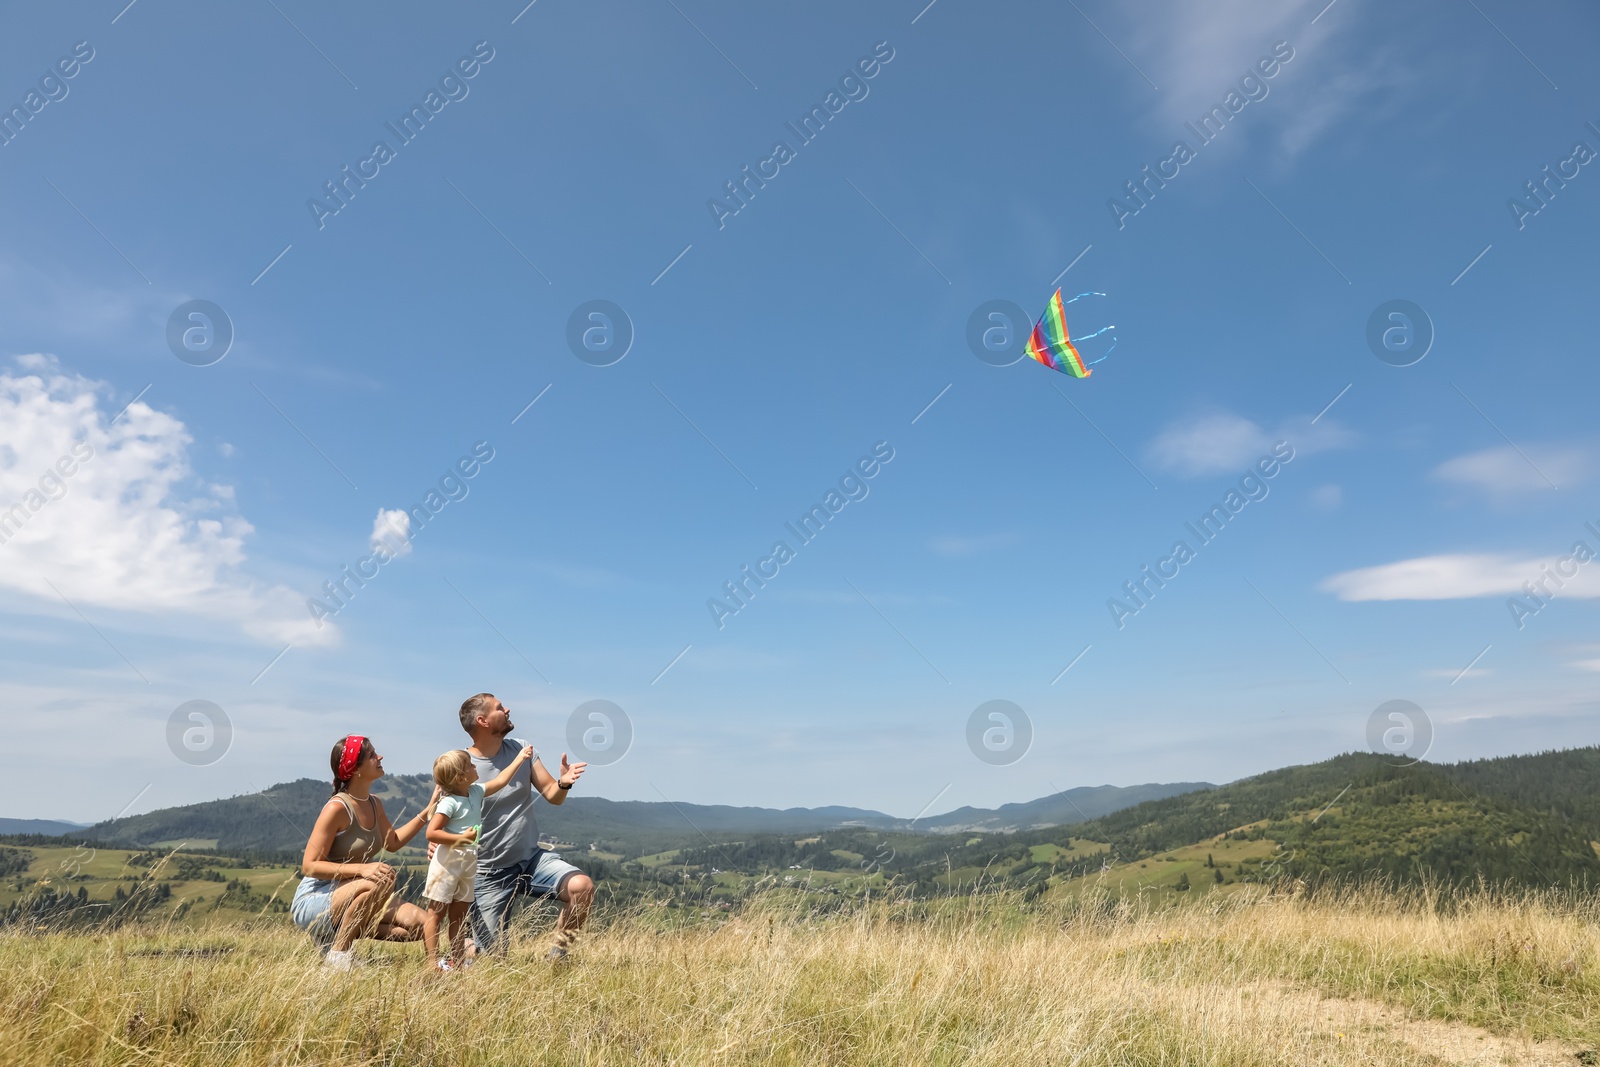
point(1051, 345)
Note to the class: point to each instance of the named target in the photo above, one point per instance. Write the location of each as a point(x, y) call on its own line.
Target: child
point(454, 830)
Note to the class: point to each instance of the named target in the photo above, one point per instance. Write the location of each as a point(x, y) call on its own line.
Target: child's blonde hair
point(451, 767)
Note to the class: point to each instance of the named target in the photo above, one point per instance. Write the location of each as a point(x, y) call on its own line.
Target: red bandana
point(350, 757)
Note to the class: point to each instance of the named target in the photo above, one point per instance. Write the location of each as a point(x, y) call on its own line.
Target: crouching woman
point(346, 893)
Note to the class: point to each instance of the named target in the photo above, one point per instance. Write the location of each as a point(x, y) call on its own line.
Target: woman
point(345, 893)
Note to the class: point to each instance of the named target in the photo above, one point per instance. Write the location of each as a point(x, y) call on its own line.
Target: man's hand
point(570, 772)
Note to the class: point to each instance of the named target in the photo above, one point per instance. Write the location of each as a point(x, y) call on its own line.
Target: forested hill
point(1564, 783)
point(275, 819)
point(1525, 820)
point(42, 827)
point(1528, 820)
point(1058, 809)
point(1521, 821)
point(281, 817)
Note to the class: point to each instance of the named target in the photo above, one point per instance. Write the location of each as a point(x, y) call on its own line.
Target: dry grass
point(1359, 978)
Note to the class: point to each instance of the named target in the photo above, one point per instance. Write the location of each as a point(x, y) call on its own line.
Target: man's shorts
point(451, 875)
point(541, 875)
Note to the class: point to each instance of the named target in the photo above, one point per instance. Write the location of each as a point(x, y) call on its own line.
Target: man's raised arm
point(554, 789)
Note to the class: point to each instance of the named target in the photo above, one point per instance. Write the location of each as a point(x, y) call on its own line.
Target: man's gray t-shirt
point(510, 830)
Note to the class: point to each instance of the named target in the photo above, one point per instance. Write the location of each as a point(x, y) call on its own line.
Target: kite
point(1051, 345)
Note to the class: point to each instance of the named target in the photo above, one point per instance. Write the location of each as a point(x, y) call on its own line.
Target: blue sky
point(374, 350)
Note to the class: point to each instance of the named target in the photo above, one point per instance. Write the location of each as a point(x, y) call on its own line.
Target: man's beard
point(506, 729)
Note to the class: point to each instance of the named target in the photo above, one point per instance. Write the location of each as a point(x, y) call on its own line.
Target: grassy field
point(202, 889)
point(1227, 979)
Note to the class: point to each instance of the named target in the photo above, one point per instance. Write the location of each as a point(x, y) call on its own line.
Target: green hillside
point(275, 819)
point(1520, 820)
point(1059, 809)
point(281, 817)
point(43, 827)
point(47, 885)
point(1561, 783)
point(1524, 821)
point(1350, 818)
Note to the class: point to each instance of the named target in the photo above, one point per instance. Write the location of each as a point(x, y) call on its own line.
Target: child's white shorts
point(451, 874)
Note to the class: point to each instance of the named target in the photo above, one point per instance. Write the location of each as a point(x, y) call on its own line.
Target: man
point(511, 864)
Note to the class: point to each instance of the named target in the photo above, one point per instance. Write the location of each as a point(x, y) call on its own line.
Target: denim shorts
point(541, 875)
point(312, 908)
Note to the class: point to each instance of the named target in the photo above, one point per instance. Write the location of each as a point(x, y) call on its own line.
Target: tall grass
point(1356, 976)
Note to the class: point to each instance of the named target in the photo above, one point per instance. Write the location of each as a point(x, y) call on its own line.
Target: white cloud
point(391, 532)
point(1327, 497)
point(1505, 470)
point(1588, 656)
point(37, 301)
point(1209, 444)
point(723, 659)
point(1456, 674)
point(1224, 443)
point(580, 575)
point(1457, 577)
point(1374, 80)
point(1198, 53)
point(129, 320)
point(851, 597)
point(129, 528)
point(971, 546)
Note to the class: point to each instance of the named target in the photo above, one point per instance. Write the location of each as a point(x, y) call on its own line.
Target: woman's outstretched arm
point(394, 840)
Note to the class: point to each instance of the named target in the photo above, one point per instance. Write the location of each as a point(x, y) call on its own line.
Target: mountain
point(1560, 782)
point(1059, 809)
point(1522, 820)
point(42, 827)
point(280, 818)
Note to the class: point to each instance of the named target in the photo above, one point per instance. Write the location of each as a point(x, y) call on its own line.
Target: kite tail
point(1080, 296)
point(1097, 333)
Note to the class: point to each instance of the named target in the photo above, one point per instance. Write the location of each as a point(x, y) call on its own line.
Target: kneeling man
point(511, 865)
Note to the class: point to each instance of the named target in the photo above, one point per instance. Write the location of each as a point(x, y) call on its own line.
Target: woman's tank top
point(354, 844)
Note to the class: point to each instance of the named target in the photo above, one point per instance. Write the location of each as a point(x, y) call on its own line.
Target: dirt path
point(1376, 1025)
